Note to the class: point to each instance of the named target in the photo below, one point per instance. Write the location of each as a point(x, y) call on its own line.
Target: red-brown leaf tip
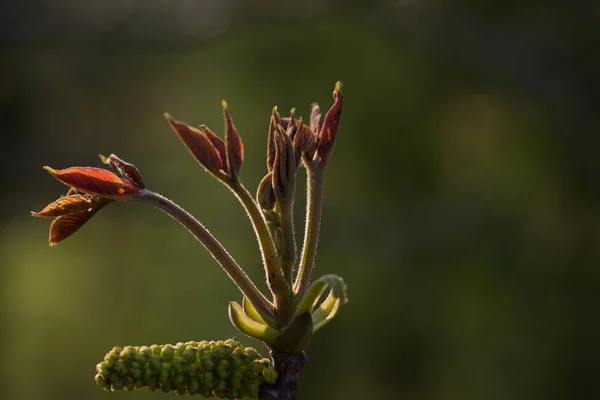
point(233, 144)
point(329, 128)
point(199, 144)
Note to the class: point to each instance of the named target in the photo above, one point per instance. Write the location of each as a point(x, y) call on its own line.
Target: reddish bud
point(305, 142)
point(292, 125)
point(96, 181)
point(198, 143)
point(328, 132)
point(315, 118)
point(233, 144)
point(284, 168)
point(265, 195)
point(217, 142)
point(126, 170)
point(69, 205)
point(65, 225)
point(275, 121)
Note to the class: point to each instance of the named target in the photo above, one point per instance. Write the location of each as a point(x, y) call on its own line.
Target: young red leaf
point(217, 142)
point(65, 225)
point(127, 170)
point(233, 143)
point(96, 181)
point(284, 168)
point(305, 142)
point(201, 147)
point(315, 118)
point(330, 125)
point(68, 205)
point(292, 125)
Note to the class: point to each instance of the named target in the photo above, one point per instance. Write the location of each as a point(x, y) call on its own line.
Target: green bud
point(221, 390)
point(156, 349)
point(224, 369)
point(155, 362)
point(193, 386)
point(177, 364)
point(190, 355)
point(167, 352)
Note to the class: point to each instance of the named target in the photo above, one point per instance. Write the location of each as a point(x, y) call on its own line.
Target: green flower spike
point(224, 369)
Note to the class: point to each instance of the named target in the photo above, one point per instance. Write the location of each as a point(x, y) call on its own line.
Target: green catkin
point(224, 369)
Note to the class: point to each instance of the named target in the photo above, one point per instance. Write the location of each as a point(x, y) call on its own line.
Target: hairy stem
point(275, 279)
point(288, 241)
point(235, 272)
point(314, 205)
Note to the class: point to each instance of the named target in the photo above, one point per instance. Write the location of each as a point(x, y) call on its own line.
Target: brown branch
point(289, 367)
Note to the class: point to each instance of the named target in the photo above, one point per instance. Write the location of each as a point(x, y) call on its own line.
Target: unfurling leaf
point(271, 139)
point(253, 313)
point(326, 311)
point(315, 118)
point(65, 225)
point(126, 169)
point(330, 305)
point(265, 195)
point(284, 168)
point(233, 144)
point(305, 142)
point(250, 327)
point(218, 143)
point(329, 129)
point(96, 181)
point(198, 143)
point(68, 205)
point(292, 125)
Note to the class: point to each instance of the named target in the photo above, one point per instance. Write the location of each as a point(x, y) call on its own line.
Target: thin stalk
point(275, 279)
point(288, 242)
point(235, 272)
point(314, 205)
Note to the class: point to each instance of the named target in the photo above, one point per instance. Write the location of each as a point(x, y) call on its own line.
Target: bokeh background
point(462, 201)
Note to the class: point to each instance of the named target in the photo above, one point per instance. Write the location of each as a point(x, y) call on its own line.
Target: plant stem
point(314, 188)
point(289, 367)
point(275, 279)
point(288, 242)
point(235, 272)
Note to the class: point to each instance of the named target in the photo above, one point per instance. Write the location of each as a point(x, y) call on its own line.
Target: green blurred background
point(462, 201)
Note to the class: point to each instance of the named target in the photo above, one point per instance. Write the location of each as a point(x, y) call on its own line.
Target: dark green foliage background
point(462, 201)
